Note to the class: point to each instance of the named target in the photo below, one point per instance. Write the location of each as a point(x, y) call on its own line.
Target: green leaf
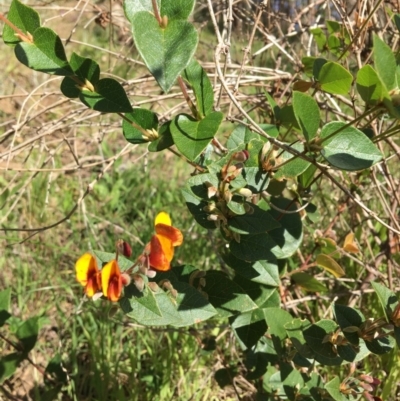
point(334, 78)
point(191, 136)
point(261, 271)
point(201, 86)
point(330, 265)
point(308, 282)
point(150, 308)
point(397, 21)
point(349, 149)
point(277, 318)
point(334, 45)
point(381, 345)
point(249, 327)
point(226, 296)
point(306, 111)
point(27, 333)
point(285, 382)
point(259, 221)
point(85, 69)
point(23, 17)
point(132, 7)
point(295, 329)
point(308, 65)
point(176, 9)
point(287, 118)
point(9, 364)
point(195, 193)
point(259, 357)
point(242, 135)
point(370, 86)
point(256, 178)
point(164, 140)
point(387, 298)
point(142, 117)
point(166, 52)
point(45, 54)
point(109, 97)
point(104, 257)
point(5, 297)
point(385, 62)
point(333, 388)
point(289, 236)
point(237, 206)
point(253, 247)
point(315, 338)
point(397, 335)
point(317, 66)
point(349, 317)
point(261, 294)
point(292, 166)
point(320, 39)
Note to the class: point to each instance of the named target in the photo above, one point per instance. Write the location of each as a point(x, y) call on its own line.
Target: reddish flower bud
point(124, 248)
point(241, 156)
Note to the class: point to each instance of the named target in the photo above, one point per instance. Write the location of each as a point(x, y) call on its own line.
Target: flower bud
point(138, 282)
point(164, 22)
point(153, 286)
point(210, 207)
point(227, 195)
point(245, 192)
point(241, 156)
point(124, 248)
point(126, 279)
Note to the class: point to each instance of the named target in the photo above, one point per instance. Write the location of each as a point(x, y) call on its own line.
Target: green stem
point(14, 28)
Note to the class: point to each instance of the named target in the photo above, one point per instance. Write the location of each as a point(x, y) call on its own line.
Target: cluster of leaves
point(253, 192)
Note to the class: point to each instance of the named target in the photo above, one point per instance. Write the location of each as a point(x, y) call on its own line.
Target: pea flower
point(88, 274)
point(112, 281)
point(160, 250)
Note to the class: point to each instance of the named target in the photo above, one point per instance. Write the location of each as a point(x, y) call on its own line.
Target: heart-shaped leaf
point(164, 140)
point(306, 111)
point(349, 149)
point(143, 118)
point(370, 87)
point(86, 70)
point(23, 17)
point(385, 62)
point(334, 78)
point(176, 9)
point(165, 51)
point(226, 296)
point(45, 54)
point(249, 327)
point(192, 136)
point(132, 7)
point(109, 97)
point(197, 78)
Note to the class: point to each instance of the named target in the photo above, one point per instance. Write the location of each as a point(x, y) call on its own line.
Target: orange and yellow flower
point(160, 250)
point(88, 274)
point(112, 281)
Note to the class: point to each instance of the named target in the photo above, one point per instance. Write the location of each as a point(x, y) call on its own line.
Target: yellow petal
point(163, 218)
point(85, 267)
point(109, 271)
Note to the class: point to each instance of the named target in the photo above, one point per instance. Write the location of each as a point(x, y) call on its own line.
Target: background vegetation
point(70, 182)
